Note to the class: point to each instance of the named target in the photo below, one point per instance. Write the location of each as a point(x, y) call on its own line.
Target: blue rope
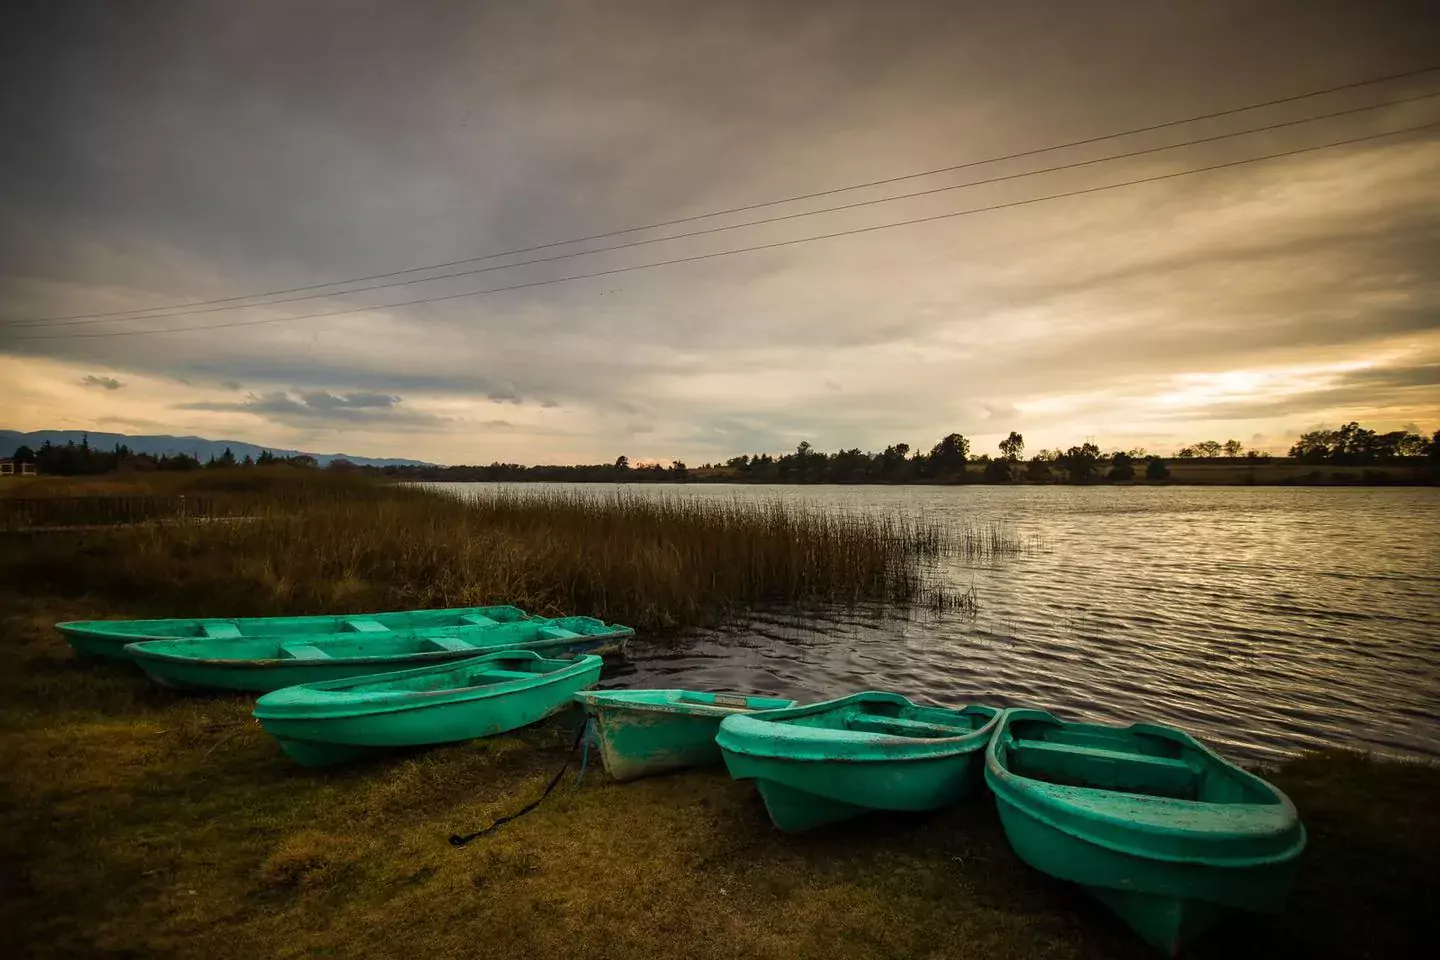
point(587, 738)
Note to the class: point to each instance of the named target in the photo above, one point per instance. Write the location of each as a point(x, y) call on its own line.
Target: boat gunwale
point(138, 650)
point(800, 749)
point(100, 629)
point(595, 701)
point(1028, 796)
point(406, 700)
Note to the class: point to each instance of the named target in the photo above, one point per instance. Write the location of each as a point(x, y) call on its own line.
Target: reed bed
point(312, 544)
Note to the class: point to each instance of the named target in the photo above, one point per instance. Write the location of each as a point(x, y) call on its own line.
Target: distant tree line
point(621, 471)
point(80, 459)
point(950, 460)
point(1350, 445)
point(1353, 444)
point(1209, 449)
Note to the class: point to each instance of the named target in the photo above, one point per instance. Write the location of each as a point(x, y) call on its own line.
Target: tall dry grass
point(311, 542)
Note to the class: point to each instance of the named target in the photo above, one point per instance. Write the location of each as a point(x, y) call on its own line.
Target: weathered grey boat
point(643, 732)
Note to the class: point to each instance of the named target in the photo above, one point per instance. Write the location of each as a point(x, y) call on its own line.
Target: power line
point(86, 321)
point(129, 314)
point(726, 253)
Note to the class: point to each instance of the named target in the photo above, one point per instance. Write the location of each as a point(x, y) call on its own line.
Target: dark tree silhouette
point(950, 455)
point(1353, 444)
point(1012, 446)
point(1208, 448)
point(1080, 463)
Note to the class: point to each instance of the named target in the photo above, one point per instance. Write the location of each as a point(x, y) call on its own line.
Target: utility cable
point(131, 314)
point(751, 249)
point(748, 223)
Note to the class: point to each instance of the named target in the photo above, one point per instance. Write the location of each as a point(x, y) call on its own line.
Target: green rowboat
point(1154, 824)
point(339, 720)
point(107, 638)
point(829, 761)
point(643, 732)
point(264, 664)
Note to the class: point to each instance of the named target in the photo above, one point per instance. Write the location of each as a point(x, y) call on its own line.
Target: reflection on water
point(1266, 620)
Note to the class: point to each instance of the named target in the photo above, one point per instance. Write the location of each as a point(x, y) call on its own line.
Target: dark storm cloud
point(104, 383)
point(506, 394)
point(1419, 375)
point(320, 408)
point(329, 402)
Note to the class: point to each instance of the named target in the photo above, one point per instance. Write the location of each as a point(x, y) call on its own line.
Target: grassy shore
point(137, 822)
point(296, 542)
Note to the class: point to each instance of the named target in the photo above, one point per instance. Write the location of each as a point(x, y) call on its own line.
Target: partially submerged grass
point(136, 822)
point(317, 545)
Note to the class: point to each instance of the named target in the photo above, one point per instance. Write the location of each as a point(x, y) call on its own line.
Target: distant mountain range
point(198, 447)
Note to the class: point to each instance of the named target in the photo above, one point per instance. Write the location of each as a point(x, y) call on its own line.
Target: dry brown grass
point(306, 542)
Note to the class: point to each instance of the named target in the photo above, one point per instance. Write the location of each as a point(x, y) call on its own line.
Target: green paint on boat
point(108, 638)
point(1157, 826)
point(834, 760)
point(644, 732)
point(270, 663)
point(340, 720)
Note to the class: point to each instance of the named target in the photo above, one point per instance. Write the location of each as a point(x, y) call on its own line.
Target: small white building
point(16, 468)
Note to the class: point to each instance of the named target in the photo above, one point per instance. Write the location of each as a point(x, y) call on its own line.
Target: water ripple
point(1265, 620)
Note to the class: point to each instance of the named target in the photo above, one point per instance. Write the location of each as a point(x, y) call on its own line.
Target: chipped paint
point(645, 732)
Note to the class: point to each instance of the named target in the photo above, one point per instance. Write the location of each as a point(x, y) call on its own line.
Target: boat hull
point(108, 638)
point(813, 776)
point(217, 665)
point(646, 732)
point(313, 732)
point(1167, 903)
point(1171, 868)
point(803, 795)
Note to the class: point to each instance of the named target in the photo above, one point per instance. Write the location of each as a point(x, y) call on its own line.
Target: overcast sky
point(160, 153)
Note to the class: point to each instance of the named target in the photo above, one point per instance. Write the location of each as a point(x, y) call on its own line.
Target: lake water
point(1266, 620)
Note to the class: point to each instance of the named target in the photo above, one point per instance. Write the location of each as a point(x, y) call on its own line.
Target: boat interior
point(1123, 760)
point(291, 626)
point(687, 701)
point(460, 676)
point(898, 719)
point(385, 643)
point(341, 626)
point(728, 701)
